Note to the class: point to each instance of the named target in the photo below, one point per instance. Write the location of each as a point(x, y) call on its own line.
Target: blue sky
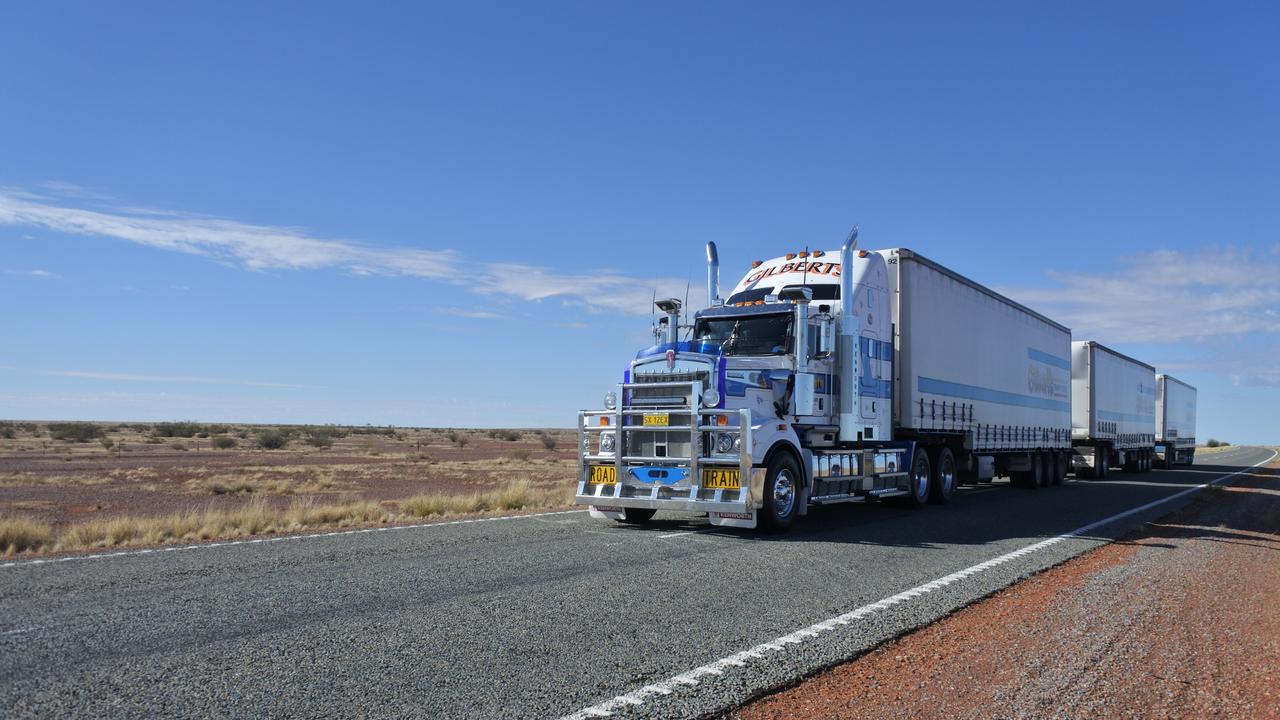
point(455, 214)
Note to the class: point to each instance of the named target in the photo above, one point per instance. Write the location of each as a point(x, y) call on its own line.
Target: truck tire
point(942, 481)
point(1060, 461)
point(1130, 464)
point(1104, 464)
point(1170, 459)
point(1027, 478)
point(781, 493)
point(918, 479)
point(1043, 468)
point(1146, 461)
point(637, 516)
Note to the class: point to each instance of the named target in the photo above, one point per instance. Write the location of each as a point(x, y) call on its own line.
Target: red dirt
point(1177, 621)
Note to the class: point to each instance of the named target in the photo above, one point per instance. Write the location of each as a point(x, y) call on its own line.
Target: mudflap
point(745, 520)
point(605, 512)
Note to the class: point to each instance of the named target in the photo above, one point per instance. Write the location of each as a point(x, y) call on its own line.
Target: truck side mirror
point(826, 337)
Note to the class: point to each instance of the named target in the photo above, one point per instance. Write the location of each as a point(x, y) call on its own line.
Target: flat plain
point(77, 486)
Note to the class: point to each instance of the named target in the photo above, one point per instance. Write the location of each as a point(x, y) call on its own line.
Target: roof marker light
point(862, 253)
point(791, 256)
point(803, 254)
point(755, 264)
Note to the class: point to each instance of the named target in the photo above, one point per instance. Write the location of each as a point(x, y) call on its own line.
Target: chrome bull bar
point(636, 489)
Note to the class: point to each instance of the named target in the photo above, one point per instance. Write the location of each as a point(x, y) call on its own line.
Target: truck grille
point(665, 397)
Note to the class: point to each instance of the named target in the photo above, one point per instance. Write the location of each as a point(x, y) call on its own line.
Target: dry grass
point(519, 495)
point(256, 517)
point(24, 535)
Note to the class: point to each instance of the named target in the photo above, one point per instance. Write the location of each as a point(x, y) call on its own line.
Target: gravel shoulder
point(1178, 620)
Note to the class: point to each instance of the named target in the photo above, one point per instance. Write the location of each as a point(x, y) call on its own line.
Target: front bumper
point(682, 489)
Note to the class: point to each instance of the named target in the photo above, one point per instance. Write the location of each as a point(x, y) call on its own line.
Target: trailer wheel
point(1104, 463)
point(942, 485)
point(781, 493)
point(1042, 469)
point(1145, 460)
point(1170, 458)
point(1030, 478)
point(637, 516)
point(918, 479)
point(1060, 461)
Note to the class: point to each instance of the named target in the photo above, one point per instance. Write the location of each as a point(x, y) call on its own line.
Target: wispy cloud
point(1166, 296)
point(41, 274)
point(168, 379)
point(270, 247)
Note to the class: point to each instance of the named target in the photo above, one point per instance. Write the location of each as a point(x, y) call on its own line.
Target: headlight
point(724, 443)
point(606, 442)
point(710, 398)
point(610, 400)
point(737, 443)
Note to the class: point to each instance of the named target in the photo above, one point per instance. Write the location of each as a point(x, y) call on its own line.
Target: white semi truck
point(1113, 411)
point(1175, 421)
point(830, 377)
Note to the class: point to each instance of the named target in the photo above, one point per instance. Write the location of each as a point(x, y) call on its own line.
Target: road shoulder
point(1174, 620)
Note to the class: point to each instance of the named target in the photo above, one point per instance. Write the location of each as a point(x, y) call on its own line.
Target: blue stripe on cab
point(973, 392)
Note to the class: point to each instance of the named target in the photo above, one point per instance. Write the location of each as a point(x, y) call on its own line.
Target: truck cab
point(769, 401)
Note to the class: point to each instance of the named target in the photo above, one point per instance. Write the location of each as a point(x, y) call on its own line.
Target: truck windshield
point(753, 335)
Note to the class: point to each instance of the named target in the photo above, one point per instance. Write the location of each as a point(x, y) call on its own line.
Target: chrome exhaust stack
point(713, 275)
point(848, 343)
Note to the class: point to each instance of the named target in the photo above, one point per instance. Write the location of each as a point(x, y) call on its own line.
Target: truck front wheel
point(781, 493)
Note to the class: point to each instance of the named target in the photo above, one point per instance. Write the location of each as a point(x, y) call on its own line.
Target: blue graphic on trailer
point(663, 475)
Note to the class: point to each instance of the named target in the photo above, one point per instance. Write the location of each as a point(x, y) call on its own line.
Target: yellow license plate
point(651, 420)
point(722, 479)
point(604, 475)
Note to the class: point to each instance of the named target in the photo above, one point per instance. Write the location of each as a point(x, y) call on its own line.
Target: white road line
point(277, 538)
point(19, 631)
point(689, 679)
point(678, 534)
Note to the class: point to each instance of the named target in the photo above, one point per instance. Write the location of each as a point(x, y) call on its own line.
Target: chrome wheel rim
point(947, 474)
point(921, 477)
point(784, 494)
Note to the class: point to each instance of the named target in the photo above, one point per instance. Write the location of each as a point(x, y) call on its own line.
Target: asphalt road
point(534, 617)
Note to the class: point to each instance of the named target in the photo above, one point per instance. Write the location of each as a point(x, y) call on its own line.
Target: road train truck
point(1113, 411)
point(1175, 421)
point(830, 377)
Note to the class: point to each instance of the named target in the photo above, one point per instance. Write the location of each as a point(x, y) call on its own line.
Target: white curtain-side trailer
point(979, 374)
point(1113, 411)
point(1175, 421)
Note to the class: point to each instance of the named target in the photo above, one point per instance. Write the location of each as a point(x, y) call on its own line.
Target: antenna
point(687, 283)
point(653, 318)
point(804, 279)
